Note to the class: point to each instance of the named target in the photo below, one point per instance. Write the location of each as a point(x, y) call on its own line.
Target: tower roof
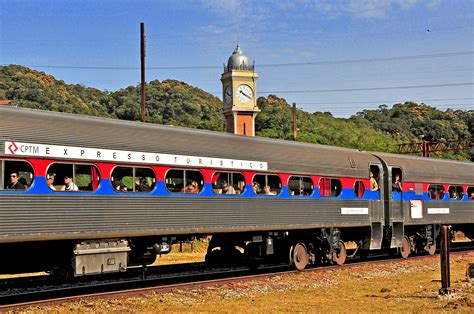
point(239, 61)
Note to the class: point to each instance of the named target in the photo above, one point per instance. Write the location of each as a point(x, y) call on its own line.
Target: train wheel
point(340, 257)
point(431, 248)
point(299, 256)
point(405, 250)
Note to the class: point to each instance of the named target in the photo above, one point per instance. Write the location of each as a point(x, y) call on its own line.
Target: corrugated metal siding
point(40, 217)
point(459, 213)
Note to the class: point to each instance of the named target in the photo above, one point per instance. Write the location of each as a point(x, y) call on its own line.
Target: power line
point(364, 88)
point(451, 106)
point(380, 101)
point(316, 63)
point(368, 60)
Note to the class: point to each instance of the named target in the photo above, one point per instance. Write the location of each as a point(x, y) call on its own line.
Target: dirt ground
point(402, 286)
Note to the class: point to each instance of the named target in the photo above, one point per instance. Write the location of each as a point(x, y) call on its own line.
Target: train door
point(376, 205)
point(395, 208)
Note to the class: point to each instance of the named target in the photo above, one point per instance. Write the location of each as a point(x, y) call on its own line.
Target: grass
point(402, 286)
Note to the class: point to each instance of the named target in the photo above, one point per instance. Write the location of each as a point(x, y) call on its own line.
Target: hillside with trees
point(173, 102)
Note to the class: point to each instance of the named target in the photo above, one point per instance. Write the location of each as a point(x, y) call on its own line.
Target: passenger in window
point(256, 187)
point(240, 187)
point(397, 185)
point(226, 188)
point(15, 183)
point(440, 194)
point(141, 185)
point(267, 190)
point(191, 187)
point(23, 181)
point(472, 196)
point(50, 181)
point(69, 184)
point(119, 185)
point(454, 195)
point(374, 186)
point(432, 193)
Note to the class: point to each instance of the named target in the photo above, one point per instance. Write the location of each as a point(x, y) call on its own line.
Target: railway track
point(26, 292)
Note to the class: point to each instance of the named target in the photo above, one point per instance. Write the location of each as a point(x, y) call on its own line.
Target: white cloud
point(368, 9)
point(221, 6)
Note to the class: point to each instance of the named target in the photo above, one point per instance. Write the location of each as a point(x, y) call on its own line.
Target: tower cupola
point(238, 61)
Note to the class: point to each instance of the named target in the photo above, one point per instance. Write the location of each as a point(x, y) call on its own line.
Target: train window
point(470, 193)
point(133, 179)
point(15, 175)
point(228, 183)
point(184, 181)
point(436, 191)
point(300, 186)
point(456, 192)
point(73, 177)
point(397, 179)
point(359, 188)
point(266, 184)
point(330, 187)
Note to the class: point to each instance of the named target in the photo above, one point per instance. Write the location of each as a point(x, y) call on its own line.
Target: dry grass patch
point(401, 286)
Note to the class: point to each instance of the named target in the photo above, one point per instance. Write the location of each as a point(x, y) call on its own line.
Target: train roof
point(54, 128)
point(431, 169)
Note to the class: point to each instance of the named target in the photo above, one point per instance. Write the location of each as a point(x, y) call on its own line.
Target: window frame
point(436, 190)
point(460, 197)
point(134, 172)
point(228, 172)
point(300, 184)
point(74, 174)
point(266, 183)
point(470, 189)
point(2, 174)
point(330, 185)
point(184, 181)
point(360, 182)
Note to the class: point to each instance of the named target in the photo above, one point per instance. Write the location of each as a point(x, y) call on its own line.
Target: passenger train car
point(90, 195)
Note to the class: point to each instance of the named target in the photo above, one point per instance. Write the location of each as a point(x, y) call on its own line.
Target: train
point(83, 195)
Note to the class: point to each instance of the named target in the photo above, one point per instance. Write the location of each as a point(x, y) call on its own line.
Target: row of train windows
point(80, 177)
point(455, 192)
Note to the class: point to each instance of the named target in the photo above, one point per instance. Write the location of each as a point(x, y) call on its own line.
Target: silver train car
point(90, 195)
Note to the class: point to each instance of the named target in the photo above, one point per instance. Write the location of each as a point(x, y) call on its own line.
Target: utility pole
point(143, 114)
point(295, 126)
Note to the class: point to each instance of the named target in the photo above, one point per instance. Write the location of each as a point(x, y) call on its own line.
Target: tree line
point(176, 103)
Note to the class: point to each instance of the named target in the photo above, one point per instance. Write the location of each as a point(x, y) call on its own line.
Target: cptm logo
point(13, 148)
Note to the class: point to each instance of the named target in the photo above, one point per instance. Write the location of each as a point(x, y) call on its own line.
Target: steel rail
point(171, 282)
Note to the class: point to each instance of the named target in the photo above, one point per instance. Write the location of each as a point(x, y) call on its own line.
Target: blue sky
point(190, 40)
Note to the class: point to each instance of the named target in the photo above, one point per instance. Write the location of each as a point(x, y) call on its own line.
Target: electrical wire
point(364, 88)
point(299, 64)
point(380, 101)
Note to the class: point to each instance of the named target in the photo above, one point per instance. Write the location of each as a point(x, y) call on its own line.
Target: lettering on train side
point(85, 153)
point(29, 149)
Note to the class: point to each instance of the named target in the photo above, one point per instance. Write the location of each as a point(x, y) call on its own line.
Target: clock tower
point(239, 91)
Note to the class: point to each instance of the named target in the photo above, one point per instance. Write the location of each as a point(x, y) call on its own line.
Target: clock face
point(228, 95)
point(244, 93)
